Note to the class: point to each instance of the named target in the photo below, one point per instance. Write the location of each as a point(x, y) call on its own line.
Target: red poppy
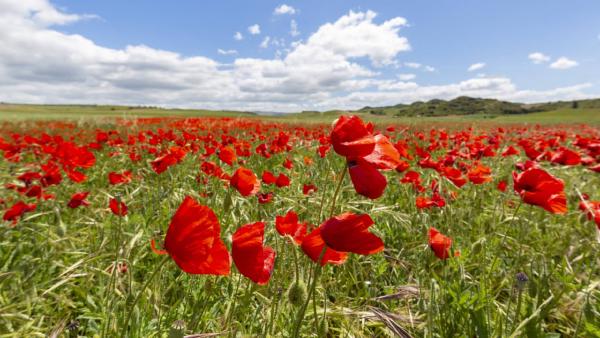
point(479, 174)
point(351, 137)
point(227, 155)
point(313, 246)
point(538, 187)
point(117, 207)
point(435, 201)
point(384, 154)
point(288, 226)
point(350, 233)
point(440, 244)
point(78, 199)
point(308, 188)
point(268, 177)
point(193, 240)
point(288, 164)
point(566, 157)
point(502, 185)
point(251, 257)
point(367, 180)
point(245, 182)
point(264, 198)
point(592, 210)
point(282, 181)
point(116, 178)
point(17, 211)
point(455, 176)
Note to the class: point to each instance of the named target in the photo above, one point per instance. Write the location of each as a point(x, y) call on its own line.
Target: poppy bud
point(522, 280)
point(323, 328)
point(177, 329)
point(297, 293)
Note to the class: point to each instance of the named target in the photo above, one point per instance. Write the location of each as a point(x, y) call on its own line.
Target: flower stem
point(313, 285)
point(137, 298)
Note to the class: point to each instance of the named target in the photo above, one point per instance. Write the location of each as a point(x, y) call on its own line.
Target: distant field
point(27, 112)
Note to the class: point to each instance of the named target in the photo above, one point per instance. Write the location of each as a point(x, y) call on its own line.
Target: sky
point(296, 55)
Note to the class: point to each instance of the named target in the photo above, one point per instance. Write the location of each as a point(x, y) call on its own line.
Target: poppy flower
point(349, 232)
point(592, 210)
point(282, 181)
point(268, 177)
point(440, 244)
point(264, 198)
point(251, 257)
point(193, 240)
point(288, 226)
point(78, 199)
point(384, 154)
point(227, 155)
point(367, 180)
point(17, 211)
point(288, 164)
point(350, 137)
point(502, 186)
point(116, 178)
point(538, 187)
point(162, 163)
point(566, 157)
point(479, 174)
point(435, 201)
point(117, 207)
point(455, 176)
point(308, 188)
point(245, 182)
point(313, 246)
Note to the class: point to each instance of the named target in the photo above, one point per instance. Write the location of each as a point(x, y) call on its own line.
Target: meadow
point(135, 224)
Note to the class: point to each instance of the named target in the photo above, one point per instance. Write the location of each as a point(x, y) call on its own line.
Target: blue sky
point(97, 50)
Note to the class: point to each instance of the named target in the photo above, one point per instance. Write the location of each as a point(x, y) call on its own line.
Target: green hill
point(465, 105)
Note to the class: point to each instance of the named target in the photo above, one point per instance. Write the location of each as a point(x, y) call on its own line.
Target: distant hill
point(465, 105)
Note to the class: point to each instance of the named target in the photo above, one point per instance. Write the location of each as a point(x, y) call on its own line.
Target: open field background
point(20, 112)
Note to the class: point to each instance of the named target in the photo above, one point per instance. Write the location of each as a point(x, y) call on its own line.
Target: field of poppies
point(230, 227)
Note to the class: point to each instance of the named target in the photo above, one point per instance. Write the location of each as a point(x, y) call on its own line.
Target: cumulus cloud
point(538, 57)
point(284, 9)
point(39, 64)
point(476, 66)
point(227, 52)
point(254, 29)
point(238, 36)
point(563, 63)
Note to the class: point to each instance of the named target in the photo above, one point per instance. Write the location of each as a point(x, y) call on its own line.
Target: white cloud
point(563, 63)
point(476, 66)
point(39, 64)
point(406, 77)
point(538, 57)
point(429, 69)
point(284, 9)
point(227, 52)
point(413, 65)
point(294, 28)
point(355, 35)
point(238, 36)
point(265, 42)
point(254, 29)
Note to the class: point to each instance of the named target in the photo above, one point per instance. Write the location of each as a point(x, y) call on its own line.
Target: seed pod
point(297, 293)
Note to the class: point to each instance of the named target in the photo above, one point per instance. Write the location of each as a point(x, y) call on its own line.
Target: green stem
point(337, 190)
point(313, 286)
point(139, 295)
point(587, 297)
